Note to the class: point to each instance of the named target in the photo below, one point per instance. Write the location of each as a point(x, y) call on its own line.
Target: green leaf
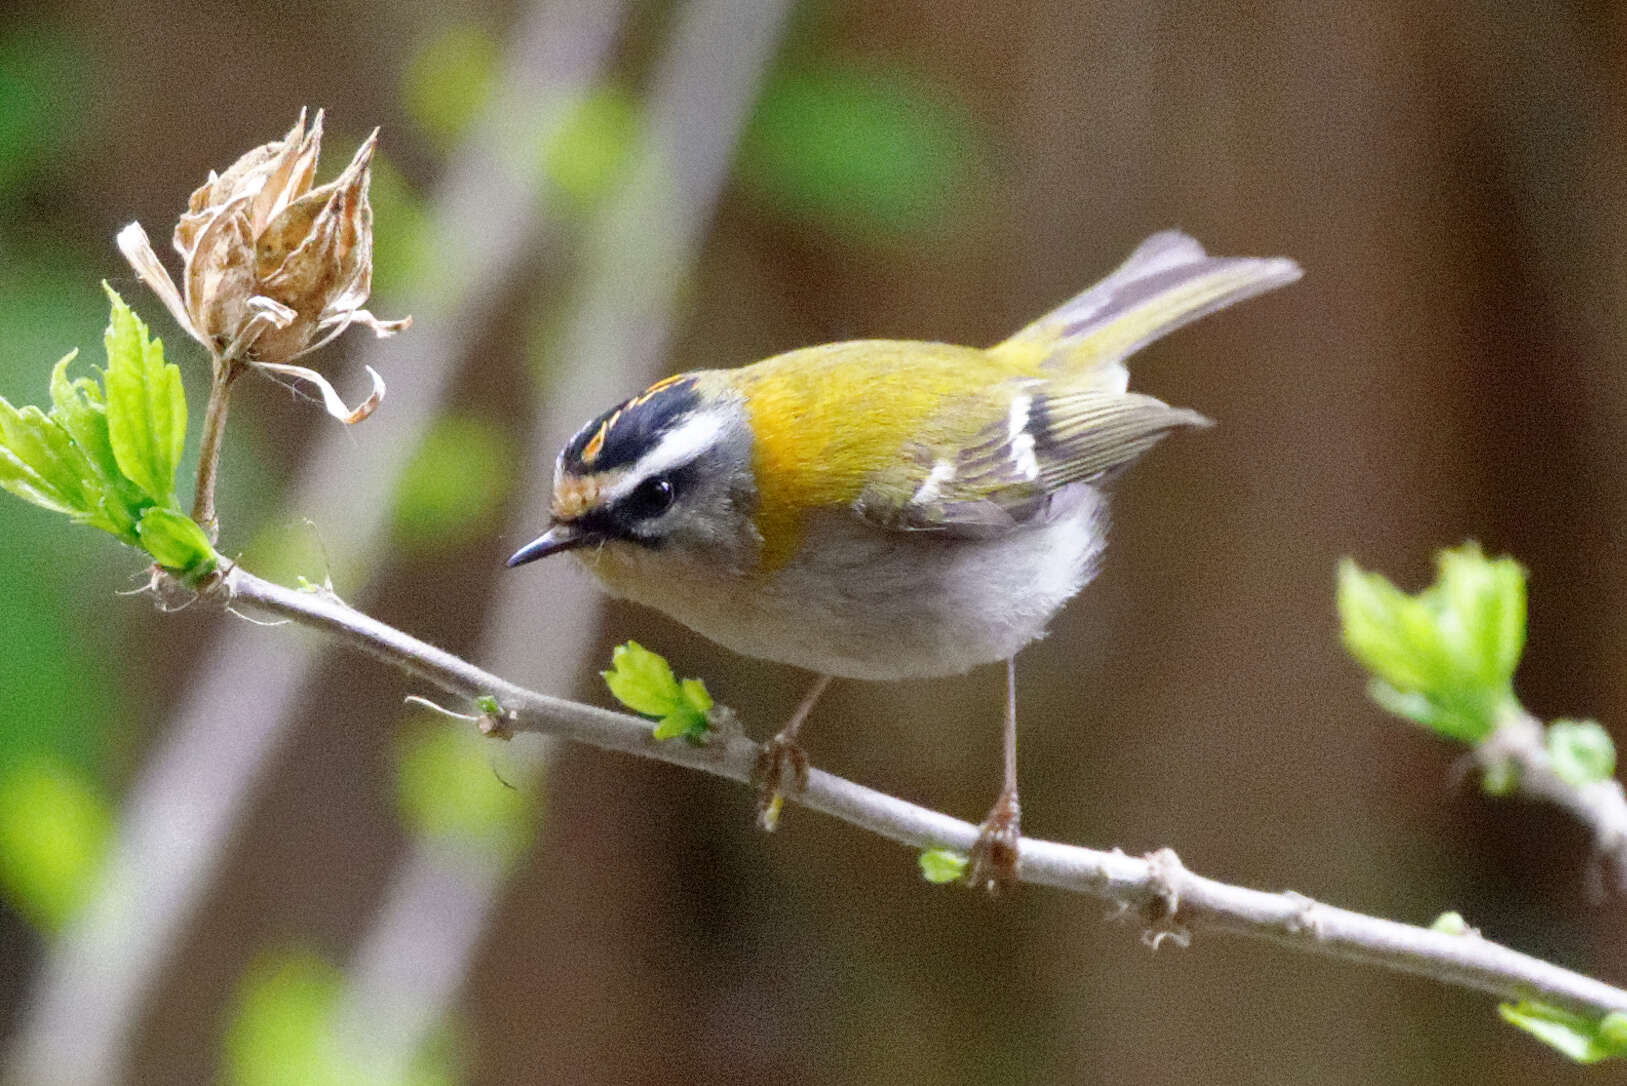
point(1386, 630)
point(80, 408)
point(146, 408)
point(696, 696)
point(1450, 923)
point(1417, 708)
point(1581, 751)
point(672, 726)
point(683, 722)
point(689, 717)
point(54, 831)
point(1578, 1038)
point(941, 865)
point(1445, 657)
point(42, 464)
point(28, 484)
point(176, 542)
point(642, 681)
point(1482, 612)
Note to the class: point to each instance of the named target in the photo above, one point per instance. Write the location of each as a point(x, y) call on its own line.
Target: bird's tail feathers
point(1167, 282)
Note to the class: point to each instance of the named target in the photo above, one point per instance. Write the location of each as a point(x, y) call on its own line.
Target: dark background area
point(1450, 367)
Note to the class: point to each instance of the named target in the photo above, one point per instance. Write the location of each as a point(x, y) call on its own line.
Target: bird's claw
point(781, 764)
point(992, 864)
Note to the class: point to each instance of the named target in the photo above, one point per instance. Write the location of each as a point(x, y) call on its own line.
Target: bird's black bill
point(561, 537)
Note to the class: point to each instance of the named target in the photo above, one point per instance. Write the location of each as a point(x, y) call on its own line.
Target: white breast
point(864, 603)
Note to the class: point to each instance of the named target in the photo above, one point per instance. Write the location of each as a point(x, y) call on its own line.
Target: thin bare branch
point(1171, 900)
point(1601, 806)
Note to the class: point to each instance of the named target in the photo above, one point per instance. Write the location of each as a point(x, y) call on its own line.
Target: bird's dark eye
point(650, 498)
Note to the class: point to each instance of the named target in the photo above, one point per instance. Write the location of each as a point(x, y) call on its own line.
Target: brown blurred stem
point(214, 428)
point(1172, 901)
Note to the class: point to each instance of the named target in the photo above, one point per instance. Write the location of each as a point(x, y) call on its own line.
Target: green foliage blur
point(454, 485)
point(60, 734)
point(280, 1030)
point(448, 79)
point(590, 152)
point(448, 790)
point(54, 828)
point(864, 152)
point(44, 82)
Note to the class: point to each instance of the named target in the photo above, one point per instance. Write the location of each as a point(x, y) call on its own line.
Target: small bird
point(884, 509)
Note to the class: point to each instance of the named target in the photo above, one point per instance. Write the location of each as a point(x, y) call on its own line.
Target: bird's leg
point(993, 862)
point(782, 756)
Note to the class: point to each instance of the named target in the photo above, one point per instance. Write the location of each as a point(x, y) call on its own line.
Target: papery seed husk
point(273, 174)
point(187, 228)
point(290, 175)
point(279, 345)
point(288, 231)
point(138, 250)
point(219, 190)
point(219, 277)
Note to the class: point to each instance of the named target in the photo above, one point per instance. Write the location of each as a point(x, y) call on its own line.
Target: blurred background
point(231, 853)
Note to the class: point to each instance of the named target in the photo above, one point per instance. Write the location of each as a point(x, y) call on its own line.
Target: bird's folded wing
point(990, 465)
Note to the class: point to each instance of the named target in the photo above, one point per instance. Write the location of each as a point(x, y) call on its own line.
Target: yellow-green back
point(826, 418)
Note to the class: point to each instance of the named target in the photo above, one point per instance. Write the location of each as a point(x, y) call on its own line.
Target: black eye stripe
point(648, 499)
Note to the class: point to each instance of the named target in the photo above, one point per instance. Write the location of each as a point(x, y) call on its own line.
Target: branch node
point(168, 592)
point(1162, 907)
point(497, 725)
point(1303, 920)
point(724, 727)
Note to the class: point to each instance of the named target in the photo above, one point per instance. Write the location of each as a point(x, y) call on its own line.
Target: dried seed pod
point(273, 268)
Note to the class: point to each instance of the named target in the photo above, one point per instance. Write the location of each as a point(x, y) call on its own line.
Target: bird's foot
point(781, 765)
point(992, 864)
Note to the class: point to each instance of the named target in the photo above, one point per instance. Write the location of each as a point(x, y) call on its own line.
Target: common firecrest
point(884, 509)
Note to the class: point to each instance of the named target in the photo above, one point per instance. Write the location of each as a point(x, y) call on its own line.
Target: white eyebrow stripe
point(1021, 441)
point(678, 446)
